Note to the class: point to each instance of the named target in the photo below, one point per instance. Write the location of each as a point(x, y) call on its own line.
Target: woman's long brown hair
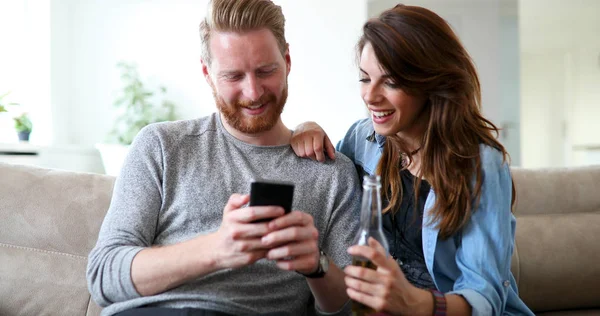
point(421, 53)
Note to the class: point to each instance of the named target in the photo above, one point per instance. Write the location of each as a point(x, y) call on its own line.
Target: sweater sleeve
point(344, 218)
point(343, 222)
point(130, 223)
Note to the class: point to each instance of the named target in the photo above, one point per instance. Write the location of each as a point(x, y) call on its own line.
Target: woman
point(446, 184)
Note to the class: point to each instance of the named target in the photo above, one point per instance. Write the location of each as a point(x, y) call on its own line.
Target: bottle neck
point(371, 207)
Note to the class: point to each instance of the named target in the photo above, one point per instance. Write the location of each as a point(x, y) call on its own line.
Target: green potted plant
point(3, 104)
point(23, 126)
point(137, 106)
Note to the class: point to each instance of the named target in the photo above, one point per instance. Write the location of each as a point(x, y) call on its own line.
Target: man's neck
point(276, 136)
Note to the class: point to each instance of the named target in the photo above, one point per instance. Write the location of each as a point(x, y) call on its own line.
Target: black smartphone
point(269, 193)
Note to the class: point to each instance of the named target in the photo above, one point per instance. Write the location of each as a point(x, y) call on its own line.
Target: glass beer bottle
point(370, 226)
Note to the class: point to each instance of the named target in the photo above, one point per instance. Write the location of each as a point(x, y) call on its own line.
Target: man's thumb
point(236, 201)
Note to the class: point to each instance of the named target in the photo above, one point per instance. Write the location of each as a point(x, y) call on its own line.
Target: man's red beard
point(252, 124)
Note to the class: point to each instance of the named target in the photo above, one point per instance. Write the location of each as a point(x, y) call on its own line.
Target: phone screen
point(268, 193)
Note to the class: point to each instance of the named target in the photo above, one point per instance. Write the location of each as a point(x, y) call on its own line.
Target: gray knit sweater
point(173, 187)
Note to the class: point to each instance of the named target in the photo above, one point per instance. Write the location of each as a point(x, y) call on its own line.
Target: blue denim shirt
point(474, 263)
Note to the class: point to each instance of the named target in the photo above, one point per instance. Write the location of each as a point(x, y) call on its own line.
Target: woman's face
point(393, 111)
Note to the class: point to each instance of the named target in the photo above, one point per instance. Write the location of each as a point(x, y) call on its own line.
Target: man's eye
point(264, 73)
point(233, 77)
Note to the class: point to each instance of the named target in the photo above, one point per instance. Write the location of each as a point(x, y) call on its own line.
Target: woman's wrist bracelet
point(439, 303)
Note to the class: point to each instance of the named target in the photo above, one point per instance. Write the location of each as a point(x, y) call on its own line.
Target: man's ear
point(288, 60)
point(206, 72)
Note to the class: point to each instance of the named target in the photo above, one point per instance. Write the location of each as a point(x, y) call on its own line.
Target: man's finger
point(248, 231)
point(299, 263)
point(290, 235)
point(295, 218)
point(235, 202)
point(293, 250)
point(255, 213)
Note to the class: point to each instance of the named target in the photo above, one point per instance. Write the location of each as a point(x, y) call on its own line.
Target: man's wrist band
point(439, 303)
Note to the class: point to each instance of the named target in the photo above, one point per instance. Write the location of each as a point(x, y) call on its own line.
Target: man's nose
point(253, 88)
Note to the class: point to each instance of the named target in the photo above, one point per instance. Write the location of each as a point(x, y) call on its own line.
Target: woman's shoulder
point(492, 158)
point(358, 133)
point(362, 127)
point(359, 145)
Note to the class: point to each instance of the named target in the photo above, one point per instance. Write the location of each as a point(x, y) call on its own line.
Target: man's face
point(248, 76)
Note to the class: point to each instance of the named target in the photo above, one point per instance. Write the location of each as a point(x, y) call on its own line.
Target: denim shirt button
point(506, 283)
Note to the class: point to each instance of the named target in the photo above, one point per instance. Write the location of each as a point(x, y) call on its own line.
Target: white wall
point(543, 112)
point(560, 60)
point(25, 66)
point(89, 37)
point(587, 100)
point(324, 78)
point(510, 84)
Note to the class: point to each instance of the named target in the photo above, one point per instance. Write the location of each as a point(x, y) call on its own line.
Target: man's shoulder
point(342, 161)
point(182, 128)
point(341, 166)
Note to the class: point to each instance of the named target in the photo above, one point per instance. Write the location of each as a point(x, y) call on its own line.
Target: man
point(177, 234)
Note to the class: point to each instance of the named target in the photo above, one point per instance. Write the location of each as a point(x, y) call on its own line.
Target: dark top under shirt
point(404, 233)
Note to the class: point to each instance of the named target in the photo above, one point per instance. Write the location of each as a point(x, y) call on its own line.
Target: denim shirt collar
point(374, 137)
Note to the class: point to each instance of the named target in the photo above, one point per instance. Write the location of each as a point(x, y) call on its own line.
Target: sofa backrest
point(556, 260)
point(50, 219)
point(49, 222)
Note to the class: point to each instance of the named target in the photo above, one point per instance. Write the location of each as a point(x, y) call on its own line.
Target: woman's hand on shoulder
point(310, 141)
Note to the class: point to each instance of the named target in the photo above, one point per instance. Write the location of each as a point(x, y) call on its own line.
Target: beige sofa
point(49, 221)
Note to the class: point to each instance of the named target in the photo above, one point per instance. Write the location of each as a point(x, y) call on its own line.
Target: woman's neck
point(413, 136)
point(414, 164)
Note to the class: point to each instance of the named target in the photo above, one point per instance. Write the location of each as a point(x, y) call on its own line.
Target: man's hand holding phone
point(268, 228)
point(292, 238)
point(293, 242)
point(239, 239)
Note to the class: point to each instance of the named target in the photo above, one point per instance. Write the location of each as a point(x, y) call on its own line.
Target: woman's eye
point(392, 85)
point(364, 80)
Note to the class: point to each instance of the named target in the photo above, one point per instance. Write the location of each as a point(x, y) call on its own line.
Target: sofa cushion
point(557, 242)
point(50, 222)
point(556, 261)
